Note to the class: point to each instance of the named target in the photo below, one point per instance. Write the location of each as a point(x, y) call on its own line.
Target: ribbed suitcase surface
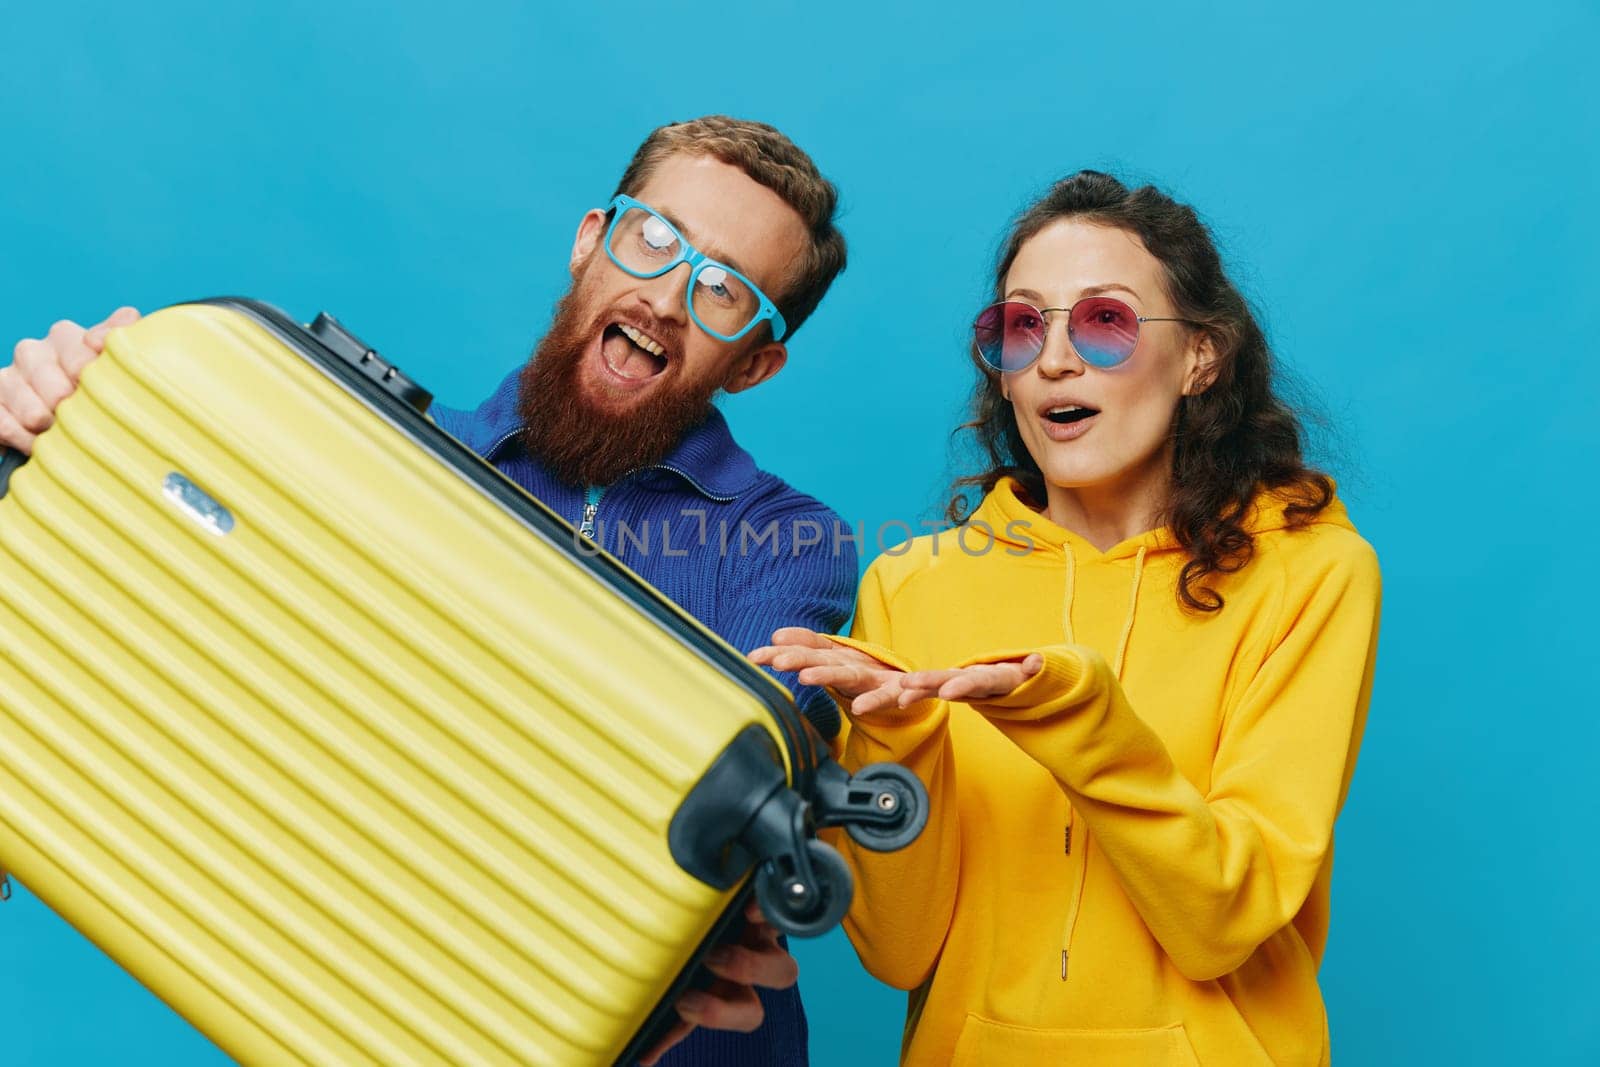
point(375, 776)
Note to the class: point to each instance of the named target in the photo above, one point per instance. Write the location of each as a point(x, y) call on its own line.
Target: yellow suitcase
point(340, 743)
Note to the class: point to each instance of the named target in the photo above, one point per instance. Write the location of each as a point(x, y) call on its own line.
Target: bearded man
point(717, 245)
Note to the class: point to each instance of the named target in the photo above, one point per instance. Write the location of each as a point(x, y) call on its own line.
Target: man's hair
point(772, 160)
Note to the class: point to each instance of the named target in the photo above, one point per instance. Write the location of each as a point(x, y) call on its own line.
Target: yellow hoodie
point(1128, 857)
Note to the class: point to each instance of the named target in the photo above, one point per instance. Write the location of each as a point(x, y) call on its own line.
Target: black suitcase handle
point(10, 460)
point(360, 355)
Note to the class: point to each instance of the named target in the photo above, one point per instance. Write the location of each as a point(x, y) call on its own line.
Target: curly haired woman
point(1134, 679)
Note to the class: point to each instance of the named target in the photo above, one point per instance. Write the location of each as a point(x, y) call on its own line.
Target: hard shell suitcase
point(352, 751)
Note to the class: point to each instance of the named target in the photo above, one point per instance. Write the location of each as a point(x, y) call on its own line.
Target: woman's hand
point(869, 684)
point(850, 675)
point(985, 681)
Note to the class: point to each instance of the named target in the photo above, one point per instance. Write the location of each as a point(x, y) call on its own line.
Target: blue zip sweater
point(739, 550)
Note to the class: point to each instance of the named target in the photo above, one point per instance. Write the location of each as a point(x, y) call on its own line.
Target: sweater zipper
point(592, 495)
point(591, 507)
point(686, 476)
point(502, 439)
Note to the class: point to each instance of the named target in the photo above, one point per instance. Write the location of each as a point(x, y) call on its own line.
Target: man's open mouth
point(631, 353)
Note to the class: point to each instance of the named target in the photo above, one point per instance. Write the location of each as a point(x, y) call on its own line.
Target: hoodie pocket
point(984, 1042)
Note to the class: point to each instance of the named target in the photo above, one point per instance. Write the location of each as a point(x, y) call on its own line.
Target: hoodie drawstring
point(1133, 604)
point(1066, 606)
point(1122, 651)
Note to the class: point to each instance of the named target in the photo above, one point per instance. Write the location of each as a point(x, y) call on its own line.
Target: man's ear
point(1203, 366)
point(590, 232)
point(756, 366)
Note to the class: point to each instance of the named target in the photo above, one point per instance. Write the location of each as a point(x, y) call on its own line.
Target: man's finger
point(27, 409)
point(770, 968)
point(123, 316)
point(63, 333)
point(76, 358)
point(30, 353)
point(95, 339)
point(728, 1006)
point(759, 934)
point(14, 435)
point(51, 384)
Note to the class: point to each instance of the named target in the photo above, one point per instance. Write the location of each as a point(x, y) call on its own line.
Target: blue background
point(1408, 196)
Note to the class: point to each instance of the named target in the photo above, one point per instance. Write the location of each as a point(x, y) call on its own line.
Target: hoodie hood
point(1016, 524)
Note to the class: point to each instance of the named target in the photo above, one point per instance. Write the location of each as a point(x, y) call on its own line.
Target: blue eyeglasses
point(722, 302)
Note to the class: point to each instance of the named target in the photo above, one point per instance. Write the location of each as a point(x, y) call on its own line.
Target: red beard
point(584, 443)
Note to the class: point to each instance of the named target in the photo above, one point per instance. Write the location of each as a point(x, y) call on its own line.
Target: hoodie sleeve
point(1215, 874)
point(903, 900)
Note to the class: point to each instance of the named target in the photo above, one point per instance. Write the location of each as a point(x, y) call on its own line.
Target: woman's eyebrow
point(1096, 290)
point(1093, 290)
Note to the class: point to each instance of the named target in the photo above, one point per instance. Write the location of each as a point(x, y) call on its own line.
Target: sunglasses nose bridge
point(1058, 357)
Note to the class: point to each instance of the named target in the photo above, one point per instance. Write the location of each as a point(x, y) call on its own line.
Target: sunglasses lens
point(1104, 331)
point(1009, 335)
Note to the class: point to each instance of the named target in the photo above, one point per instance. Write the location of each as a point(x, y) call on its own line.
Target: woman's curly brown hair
point(1229, 442)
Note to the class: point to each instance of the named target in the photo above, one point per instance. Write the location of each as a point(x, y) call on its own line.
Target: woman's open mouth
point(1068, 421)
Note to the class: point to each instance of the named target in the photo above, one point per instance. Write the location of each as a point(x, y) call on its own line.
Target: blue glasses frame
point(698, 261)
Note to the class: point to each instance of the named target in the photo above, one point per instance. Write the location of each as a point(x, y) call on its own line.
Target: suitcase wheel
point(884, 806)
point(899, 797)
point(801, 902)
